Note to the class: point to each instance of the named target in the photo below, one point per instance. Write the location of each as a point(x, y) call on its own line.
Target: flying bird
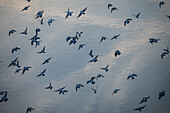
point(140, 108)
point(42, 73)
point(131, 76)
point(50, 86)
point(166, 50)
point(91, 80)
point(24, 32)
point(144, 99)
point(15, 49)
point(81, 46)
point(39, 14)
point(50, 21)
point(115, 91)
point(18, 70)
point(46, 61)
point(115, 37)
point(103, 38)
point(25, 69)
point(117, 52)
point(161, 94)
point(43, 50)
point(137, 16)
point(105, 68)
point(61, 90)
point(114, 9)
point(4, 98)
point(12, 31)
point(68, 13)
point(29, 109)
point(25, 8)
point(109, 5)
point(94, 59)
point(79, 86)
point(127, 21)
point(79, 34)
point(163, 54)
point(13, 62)
point(161, 3)
point(99, 76)
point(94, 90)
point(153, 40)
point(91, 54)
point(82, 12)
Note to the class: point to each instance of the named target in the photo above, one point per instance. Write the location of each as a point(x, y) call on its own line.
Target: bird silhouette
point(117, 52)
point(144, 99)
point(25, 69)
point(68, 13)
point(94, 59)
point(153, 40)
point(12, 31)
point(105, 68)
point(42, 73)
point(25, 8)
point(127, 21)
point(115, 91)
point(131, 76)
point(39, 14)
point(43, 50)
point(137, 16)
point(103, 38)
point(99, 76)
point(140, 108)
point(79, 86)
point(114, 9)
point(50, 21)
point(13, 62)
point(50, 86)
point(91, 54)
point(79, 34)
point(109, 5)
point(29, 109)
point(161, 94)
point(161, 3)
point(163, 54)
point(91, 80)
point(115, 37)
point(94, 90)
point(166, 50)
point(24, 32)
point(37, 43)
point(81, 46)
point(46, 60)
point(15, 49)
point(61, 90)
point(4, 98)
point(82, 12)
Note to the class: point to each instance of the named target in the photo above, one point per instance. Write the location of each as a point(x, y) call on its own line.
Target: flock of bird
point(72, 40)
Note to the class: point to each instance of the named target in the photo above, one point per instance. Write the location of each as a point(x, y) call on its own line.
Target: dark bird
point(25, 69)
point(43, 50)
point(168, 16)
point(127, 21)
point(140, 108)
point(109, 5)
point(79, 34)
point(81, 46)
point(137, 16)
point(161, 94)
point(50, 21)
point(39, 14)
point(94, 59)
point(115, 37)
point(99, 76)
point(37, 43)
point(34, 39)
point(13, 62)
point(94, 90)
point(25, 8)
point(42, 73)
point(29, 109)
point(153, 40)
point(82, 12)
point(68, 38)
point(4, 98)
point(46, 61)
point(61, 90)
point(166, 50)
point(50, 86)
point(12, 31)
point(163, 54)
point(103, 38)
point(68, 13)
point(15, 49)
point(79, 86)
point(161, 3)
point(91, 54)
point(73, 41)
point(115, 91)
point(91, 80)
point(18, 70)
point(144, 99)
point(131, 76)
point(105, 68)
point(114, 9)
point(28, 0)
point(117, 52)
point(25, 32)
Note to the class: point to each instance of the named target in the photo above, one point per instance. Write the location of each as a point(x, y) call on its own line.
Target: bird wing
point(23, 71)
point(81, 85)
point(109, 5)
point(107, 66)
point(125, 23)
point(143, 107)
point(141, 101)
point(84, 9)
point(67, 15)
point(16, 59)
point(79, 15)
point(13, 50)
point(138, 14)
point(5, 94)
point(44, 70)
point(128, 77)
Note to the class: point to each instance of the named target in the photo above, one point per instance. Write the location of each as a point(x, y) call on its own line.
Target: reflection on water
point(69, 66)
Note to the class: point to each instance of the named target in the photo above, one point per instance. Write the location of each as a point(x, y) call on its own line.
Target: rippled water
point(69, 66)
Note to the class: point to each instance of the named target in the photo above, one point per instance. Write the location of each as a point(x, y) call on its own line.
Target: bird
point(99, 76)
point(91, 53)
point(25, 69)
point(42, 73)
point(68, 13)
point(163, 54)
point(79, 34)
point(29, 109)
point(140, 108)
point(94, 90)
point(114, 8)
point(109, 5)
point(91, 80)
point(46, 61)
point(137, 16)
point(4, 98)
point(105, 68)
point(161, 94)
point(15, 49)
point(168, 16)
point(39, 14)
point(13, 62)
point(2, 92)
point(127, 21)
point(34, 39)
point(115, 91)
point(18, 70)
point(61, 90)
point(24, 32)
point(153, 40)
point(161, 3)
point(117, 52)
point(94, 59)
point(131, 76)
point(43, 50)
point(41, 21)
point(79, 86)
point(73, 41)
point(37, 43)
point(25, 8)
point(28, 0)
point(12, 31)
point(115, 37)
point(144, 99)
point(166, 50)
point(82, 12)
point(50, 21)
point(81, 46)
point(50, 86)
point(103, 38)
point(68, 38)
